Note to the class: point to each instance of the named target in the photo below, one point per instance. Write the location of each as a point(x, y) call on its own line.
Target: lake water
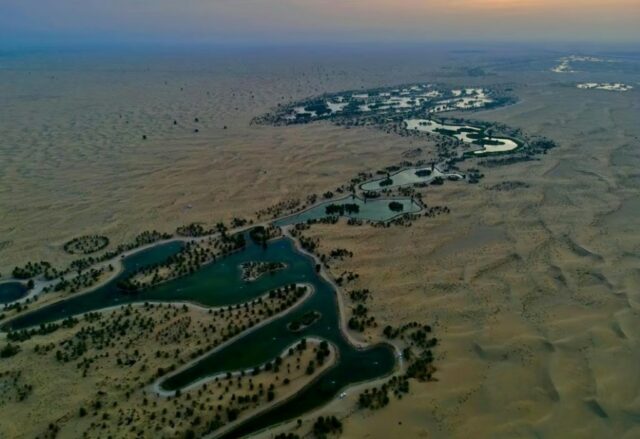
point(220, 283)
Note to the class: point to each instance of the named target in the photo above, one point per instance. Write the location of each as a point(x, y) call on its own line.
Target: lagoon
point(220, 283)
point(465, 133)
point(376, 209)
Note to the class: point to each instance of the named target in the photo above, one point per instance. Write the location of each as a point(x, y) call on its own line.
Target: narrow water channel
point(220, 283)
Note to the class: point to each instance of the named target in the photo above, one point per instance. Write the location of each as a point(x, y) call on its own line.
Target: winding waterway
point(219, 283)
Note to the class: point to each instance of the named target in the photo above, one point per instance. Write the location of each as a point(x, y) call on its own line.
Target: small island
point(395, 206)
point(253, 270)
point(304, 321)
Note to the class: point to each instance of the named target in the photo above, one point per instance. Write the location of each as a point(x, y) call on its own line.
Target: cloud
point(325, 19)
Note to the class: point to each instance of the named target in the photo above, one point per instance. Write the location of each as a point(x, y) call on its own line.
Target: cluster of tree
point(309, 244)
point(391, 333)
point(260, 234)
point(539, 145)
point(340, 253)
point(474, 175)
point(483, 141)
point(304, 321)
point(421, 367)
point(319, 107)
point(322, 352)
point(280, 209)
point(13, 387)
point(341, 209)
point(194, 229)
point(419, 356)
point(240, 222)
point(347, 276)
point(508, 186)
point(86, 244)
point(326, 425)
point(423, 172)
point(378, 397)
point(31, 269)
point(503, 161)
point(434, 211)
point(354, 222)
point(83, 280)
point(361, 295)
point(332, 219)
point(360, 319)
point(9, 350)
point(43, 329)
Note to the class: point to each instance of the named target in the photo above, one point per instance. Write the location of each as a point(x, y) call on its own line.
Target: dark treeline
point(341, 209)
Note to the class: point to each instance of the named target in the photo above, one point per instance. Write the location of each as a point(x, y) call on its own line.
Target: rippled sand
point(532, 292)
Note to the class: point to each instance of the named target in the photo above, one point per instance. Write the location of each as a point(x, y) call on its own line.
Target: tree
point(9, 350)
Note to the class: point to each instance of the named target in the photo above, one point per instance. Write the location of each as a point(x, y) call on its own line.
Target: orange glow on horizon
point(336, 19)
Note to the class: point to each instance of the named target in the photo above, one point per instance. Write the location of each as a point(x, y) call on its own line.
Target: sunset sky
point(320, 20)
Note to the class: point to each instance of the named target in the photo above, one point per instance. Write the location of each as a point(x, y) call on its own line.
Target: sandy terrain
point(532, 292)
point(119, 375)
point(73, 161)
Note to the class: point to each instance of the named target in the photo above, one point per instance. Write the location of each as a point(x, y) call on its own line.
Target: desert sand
point(533, 292)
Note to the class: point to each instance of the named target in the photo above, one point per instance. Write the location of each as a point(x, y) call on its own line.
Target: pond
point(424, 174)
point(11, 291)
point(376, 209)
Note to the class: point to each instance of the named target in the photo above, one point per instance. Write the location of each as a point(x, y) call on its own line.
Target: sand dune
point(533, 292)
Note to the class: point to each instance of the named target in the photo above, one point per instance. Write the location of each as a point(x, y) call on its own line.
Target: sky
point(294, 21)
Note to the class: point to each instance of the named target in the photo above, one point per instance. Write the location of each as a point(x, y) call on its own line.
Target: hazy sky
point(320, 20)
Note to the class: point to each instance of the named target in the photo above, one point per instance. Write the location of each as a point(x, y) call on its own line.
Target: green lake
point(220, 283)
point(12, 291)
point(373, 209)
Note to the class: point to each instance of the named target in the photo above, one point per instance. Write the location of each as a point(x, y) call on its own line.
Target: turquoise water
point(10, 291)
point(370, 209)
point(401, 178)
point(220, 283)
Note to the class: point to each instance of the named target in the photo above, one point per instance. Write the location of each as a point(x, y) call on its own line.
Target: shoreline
point(40, 283)
point(335, 359)
point(156, 387)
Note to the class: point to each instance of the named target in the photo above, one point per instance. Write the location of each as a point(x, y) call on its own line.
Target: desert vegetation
point(129, 348)
point(86, 244)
